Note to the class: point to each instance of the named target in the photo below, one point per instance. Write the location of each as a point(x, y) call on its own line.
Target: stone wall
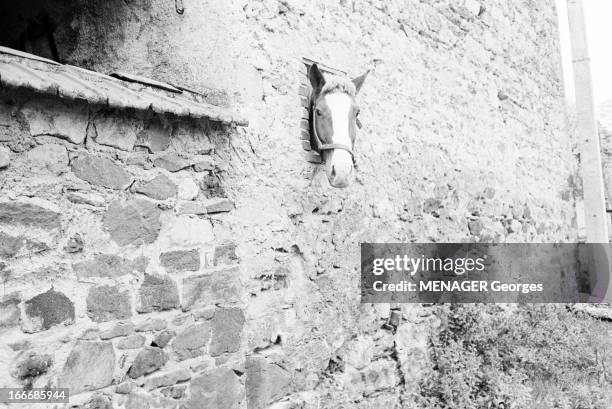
point(196, 264)
point(112, 264)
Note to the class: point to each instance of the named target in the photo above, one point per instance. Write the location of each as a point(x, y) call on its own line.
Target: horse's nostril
point(333, 171)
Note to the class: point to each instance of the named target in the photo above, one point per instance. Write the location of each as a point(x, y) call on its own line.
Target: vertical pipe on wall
point(588, 137)
point(590, 158)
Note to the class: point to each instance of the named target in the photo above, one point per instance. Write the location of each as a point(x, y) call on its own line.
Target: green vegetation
point(531, 356)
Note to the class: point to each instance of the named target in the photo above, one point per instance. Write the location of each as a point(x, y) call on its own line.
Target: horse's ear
point(358, 81)
point(317, 80)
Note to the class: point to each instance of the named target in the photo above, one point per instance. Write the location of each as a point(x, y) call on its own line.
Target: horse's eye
point(318, 112)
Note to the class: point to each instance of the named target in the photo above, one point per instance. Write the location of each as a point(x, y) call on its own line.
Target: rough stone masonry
point(152, 261)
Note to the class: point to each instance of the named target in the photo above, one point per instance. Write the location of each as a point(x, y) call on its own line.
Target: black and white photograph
point(305, 204)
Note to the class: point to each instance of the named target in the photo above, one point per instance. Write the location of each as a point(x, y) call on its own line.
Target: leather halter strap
point(320, 146)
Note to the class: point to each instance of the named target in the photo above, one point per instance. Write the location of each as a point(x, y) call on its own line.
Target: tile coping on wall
point(26, 71)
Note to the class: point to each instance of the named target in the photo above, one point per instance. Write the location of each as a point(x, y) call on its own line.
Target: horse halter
point(319, 145)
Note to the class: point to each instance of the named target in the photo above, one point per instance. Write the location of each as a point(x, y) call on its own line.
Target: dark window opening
point(38, 27)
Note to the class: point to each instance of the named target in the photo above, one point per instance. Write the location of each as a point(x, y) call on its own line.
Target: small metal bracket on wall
point(304, 94)
point(178, 5)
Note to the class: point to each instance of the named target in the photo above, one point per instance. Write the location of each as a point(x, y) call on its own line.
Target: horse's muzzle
point(339, 168)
